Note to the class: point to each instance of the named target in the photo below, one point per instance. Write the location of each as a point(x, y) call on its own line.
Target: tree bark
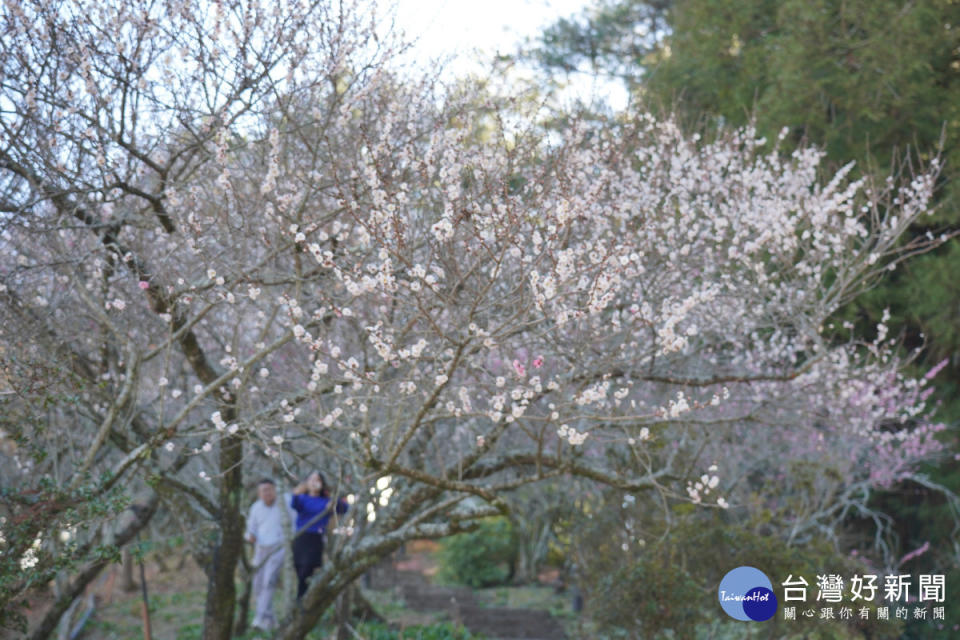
point(244, 610)
point(222, 590)
point(343, 614)
point(126, 576)
point(333, 581)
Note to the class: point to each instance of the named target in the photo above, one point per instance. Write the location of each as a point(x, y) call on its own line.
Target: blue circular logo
point(746, 593)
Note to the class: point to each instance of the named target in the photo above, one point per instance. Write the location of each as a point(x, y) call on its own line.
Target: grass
point(177, 604)
point(173, 614)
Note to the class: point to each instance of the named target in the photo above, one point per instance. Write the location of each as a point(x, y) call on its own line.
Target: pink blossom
point(143, 284)
point(519, 368)
point(538, 362)
point(936, 369)
point(916, 552)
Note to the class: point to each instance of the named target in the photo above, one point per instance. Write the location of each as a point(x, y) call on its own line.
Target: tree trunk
point(288, 575)
point(332, 581)
point(63, 629)
point(221, 589)
point(303, 621)
point(343, 614)
point(244, 609)
point(531, 551)
point(126, 576)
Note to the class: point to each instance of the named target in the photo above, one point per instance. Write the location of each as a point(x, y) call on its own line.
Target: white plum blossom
point(347, 273)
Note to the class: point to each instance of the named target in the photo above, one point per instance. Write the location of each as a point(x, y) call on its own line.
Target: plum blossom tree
point(237, 237)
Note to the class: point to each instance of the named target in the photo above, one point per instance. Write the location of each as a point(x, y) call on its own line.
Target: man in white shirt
point(265, 531)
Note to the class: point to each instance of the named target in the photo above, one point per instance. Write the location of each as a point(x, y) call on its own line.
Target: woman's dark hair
point(324, 489)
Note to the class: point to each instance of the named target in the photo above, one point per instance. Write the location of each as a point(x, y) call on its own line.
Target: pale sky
point(466, 27)
point(461, 25)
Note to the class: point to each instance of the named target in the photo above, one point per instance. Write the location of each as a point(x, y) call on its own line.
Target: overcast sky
point(465, 27)
point(443, 26)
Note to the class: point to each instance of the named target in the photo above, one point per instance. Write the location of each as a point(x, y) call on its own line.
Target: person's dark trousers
point(307, 557)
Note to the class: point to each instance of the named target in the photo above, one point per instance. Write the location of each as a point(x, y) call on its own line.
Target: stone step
point(506, 623)
point(425, 597)
point(385, 577)
point(500, 623)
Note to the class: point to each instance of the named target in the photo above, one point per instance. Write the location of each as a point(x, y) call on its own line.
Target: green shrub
point(480, 558)
point(669, 589)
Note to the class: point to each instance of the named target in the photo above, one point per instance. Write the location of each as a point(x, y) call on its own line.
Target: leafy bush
point(656, 595)
point(665, 586)
point(480, 558)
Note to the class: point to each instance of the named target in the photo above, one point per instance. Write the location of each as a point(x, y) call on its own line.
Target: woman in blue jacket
point(312, 502)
